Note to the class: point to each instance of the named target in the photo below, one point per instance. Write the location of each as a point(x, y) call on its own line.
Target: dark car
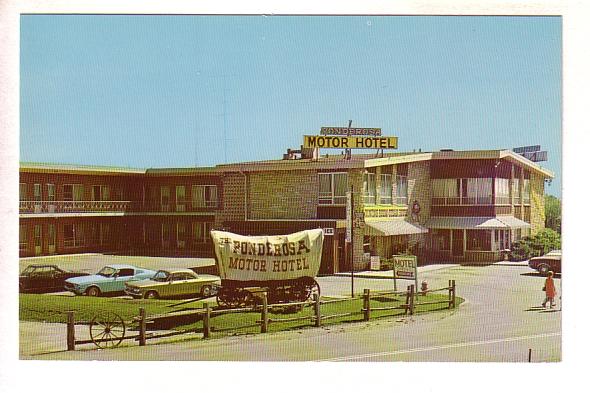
point(45, 278)
point(548, 262)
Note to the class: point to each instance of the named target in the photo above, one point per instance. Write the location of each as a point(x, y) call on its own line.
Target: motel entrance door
point(38, 240)
point(457, 243)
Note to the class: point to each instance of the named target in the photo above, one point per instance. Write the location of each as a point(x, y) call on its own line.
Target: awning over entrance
point(498, 222)
point(393, 227)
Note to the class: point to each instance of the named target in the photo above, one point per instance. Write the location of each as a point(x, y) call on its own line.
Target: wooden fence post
point(141, 326)
point(453, 298)
point(316, 308)
point(412, 292)
point(71, 332)
point(450, 293)
point(407, 301)
point(206, 321)
point(367, 304)
point(264, 316)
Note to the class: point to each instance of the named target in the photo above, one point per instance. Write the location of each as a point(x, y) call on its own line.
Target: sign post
point(349, 253)
point(405, 267)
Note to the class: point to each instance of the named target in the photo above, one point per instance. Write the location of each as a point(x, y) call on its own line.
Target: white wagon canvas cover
point(266, 258)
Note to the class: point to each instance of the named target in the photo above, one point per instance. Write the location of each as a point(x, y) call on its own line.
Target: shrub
point(540, 244)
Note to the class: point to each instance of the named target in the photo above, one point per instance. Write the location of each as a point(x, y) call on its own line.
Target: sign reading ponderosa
point(262, 258)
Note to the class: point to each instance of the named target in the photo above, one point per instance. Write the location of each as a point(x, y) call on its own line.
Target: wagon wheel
point(313, 287)
point(228, 298)
point(300, 292)
point(107, 330)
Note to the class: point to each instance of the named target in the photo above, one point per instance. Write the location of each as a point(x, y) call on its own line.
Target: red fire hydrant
point(424, 287)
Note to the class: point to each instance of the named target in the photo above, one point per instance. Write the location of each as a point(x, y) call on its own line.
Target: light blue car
point(109, 279)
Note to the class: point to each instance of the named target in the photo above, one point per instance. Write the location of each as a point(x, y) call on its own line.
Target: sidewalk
point(388, 274)
point(513, 263)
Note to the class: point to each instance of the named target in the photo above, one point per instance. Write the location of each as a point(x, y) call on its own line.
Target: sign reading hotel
point(349, 142)
point(263, 258)
point(405, 267)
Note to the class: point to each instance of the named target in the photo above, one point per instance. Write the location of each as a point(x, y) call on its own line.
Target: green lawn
point(52, 308)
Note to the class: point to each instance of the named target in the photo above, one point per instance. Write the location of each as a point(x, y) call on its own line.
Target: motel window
point(526, 192)
point(180, 198)
point(369, 188)
point(402, 189)
point(516, 190)
point(38, 236)
point(37, 193)
point(446, 191)
point(73, 235)
point(180, 234)
point(201, 232)
point(441, 239)
point(165, 234)
point(204, 196)
point(470, 191)
point(502, 191)
point(333, 187)
point(386, 189)
point(479, 240)
point(101, 193)
point(165, 198)
point(51, 235)
point(23, 237)
point(22, 188)
point(501, 240)
point(73, 192)
point(479, 191)
point(51, 192)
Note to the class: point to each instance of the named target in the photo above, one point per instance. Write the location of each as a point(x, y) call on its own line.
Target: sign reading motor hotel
point(349, 142)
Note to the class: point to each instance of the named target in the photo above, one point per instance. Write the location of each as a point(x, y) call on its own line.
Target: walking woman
point(549, 289)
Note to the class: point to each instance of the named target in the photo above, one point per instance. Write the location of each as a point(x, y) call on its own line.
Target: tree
point(553, 213)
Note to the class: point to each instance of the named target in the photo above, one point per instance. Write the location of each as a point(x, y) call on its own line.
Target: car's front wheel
point(151, 295)
point(93, 291)
point(206, 291)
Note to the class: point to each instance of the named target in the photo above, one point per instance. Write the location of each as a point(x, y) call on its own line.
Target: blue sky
point(180, 91)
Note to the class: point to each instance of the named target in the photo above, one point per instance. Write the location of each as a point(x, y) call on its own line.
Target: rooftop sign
point(345, 131)
point(349, 142)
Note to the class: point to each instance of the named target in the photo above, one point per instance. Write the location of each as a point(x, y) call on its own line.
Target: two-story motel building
point(463, 206)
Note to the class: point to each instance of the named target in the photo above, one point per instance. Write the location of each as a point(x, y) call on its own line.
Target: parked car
point(45, 278)
point(109, 279)
point(171, 283)
point(548, 262)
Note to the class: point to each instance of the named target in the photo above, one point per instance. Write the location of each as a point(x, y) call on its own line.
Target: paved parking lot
point(94, 262)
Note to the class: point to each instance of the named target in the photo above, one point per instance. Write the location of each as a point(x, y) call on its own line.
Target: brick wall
point(233, 198)
point(283, 195)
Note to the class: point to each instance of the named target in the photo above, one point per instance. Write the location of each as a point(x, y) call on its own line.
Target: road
point(500, 321)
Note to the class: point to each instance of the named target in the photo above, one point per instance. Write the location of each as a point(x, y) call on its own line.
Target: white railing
point(38, 207)
point(465, 201)
point(385, 212)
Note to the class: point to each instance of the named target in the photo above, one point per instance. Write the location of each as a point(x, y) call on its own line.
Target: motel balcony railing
point(385, 211)
point(454, 201)
point(39, 207)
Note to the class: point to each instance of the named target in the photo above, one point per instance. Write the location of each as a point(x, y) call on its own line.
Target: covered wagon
point(285, 266)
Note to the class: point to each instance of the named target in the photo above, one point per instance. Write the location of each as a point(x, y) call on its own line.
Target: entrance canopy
point(393, 227)
point(498, 222)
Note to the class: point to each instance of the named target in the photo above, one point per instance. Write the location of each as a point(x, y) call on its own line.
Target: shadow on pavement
point(537, 274)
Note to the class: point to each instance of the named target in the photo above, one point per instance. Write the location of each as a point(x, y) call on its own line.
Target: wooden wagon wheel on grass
point(107, 330)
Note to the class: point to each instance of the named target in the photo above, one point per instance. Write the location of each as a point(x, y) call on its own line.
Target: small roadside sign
point(375, 262)
point(405, 267)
